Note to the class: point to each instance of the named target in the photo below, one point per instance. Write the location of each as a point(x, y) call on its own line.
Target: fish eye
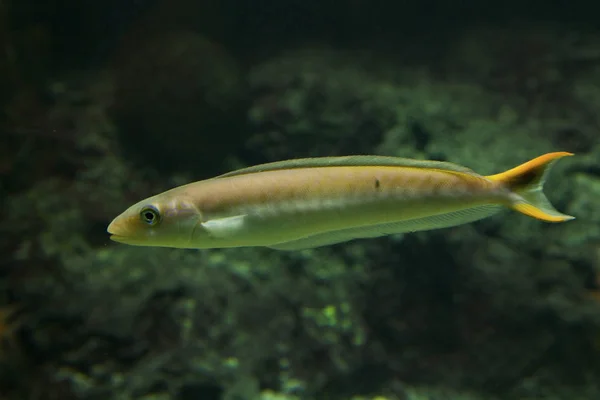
point(150, 215)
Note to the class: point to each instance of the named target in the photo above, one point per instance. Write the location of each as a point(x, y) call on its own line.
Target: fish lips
point(118, 233)
point(128, 240)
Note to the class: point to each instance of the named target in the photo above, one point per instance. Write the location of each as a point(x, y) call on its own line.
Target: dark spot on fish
point(526, 178)
point(377, 184)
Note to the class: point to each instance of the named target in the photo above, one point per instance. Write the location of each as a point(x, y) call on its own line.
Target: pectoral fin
point(223, 228)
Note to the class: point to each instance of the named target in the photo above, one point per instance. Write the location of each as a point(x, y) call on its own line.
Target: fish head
point(162, 220)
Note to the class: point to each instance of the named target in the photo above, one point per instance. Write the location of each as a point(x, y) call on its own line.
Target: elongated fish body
point(308, 203)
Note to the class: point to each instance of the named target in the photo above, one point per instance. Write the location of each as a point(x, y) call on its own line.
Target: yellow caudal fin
point(527, 181)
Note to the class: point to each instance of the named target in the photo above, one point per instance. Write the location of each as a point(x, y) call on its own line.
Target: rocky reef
point(507, 307)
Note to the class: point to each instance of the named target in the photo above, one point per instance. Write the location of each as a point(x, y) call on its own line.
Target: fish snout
point(119, 230)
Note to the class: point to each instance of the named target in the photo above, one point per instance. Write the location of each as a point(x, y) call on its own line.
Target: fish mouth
point(127, 240)
point(118, 238)
point(115, 229)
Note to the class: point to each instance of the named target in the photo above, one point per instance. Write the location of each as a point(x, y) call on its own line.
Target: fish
point(312, 202)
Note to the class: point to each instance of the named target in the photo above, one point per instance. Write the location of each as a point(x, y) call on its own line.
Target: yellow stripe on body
point(285, 205)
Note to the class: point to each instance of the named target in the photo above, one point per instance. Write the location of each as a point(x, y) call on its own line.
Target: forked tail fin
point(527, 182)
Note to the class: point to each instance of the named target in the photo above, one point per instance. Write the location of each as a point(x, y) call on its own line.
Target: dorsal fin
point(346, 161)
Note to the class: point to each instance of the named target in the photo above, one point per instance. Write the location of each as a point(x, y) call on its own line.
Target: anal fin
point(371, 231)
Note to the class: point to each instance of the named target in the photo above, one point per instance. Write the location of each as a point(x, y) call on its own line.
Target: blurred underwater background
point(105, 103)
